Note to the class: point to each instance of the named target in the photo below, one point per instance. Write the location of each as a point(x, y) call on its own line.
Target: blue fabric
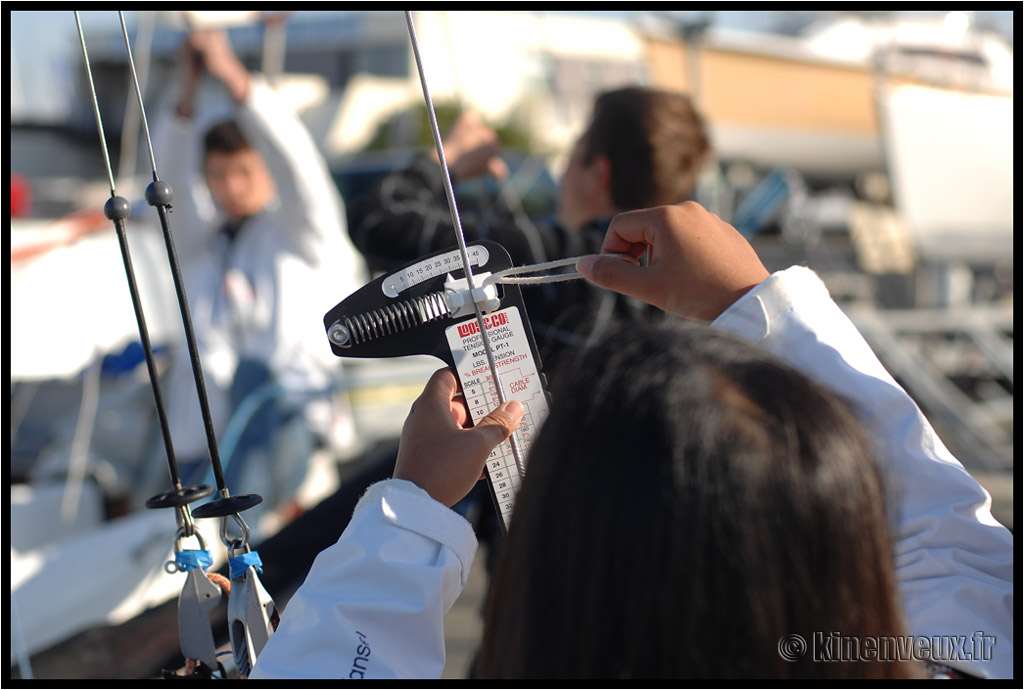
point(125, 361)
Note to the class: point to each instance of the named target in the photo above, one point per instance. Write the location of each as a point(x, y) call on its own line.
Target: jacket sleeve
point(305, 188)
point(373, 604)
point(954, 561)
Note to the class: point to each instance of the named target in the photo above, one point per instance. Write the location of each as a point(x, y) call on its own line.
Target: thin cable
point(117, 210)
point(130, 129)
point(159, 195)
point(21, 401)
point(505, 187)
point(133, 289)
point(18, 643)
point(436, 131)
point(96, 106)
point(147, 348)
point(450, 193)
point(138, 91)
point(511, 277)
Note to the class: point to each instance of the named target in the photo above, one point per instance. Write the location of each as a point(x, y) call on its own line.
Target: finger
point(630, 233)
point(442, 384)
point(614, 273)
point(199, 38)
point(460, 410)
point(499, 424)
point(444, 388)
point(437, 393)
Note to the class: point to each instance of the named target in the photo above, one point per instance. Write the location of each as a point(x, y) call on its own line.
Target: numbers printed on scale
point(520, 380)
point(439, 265)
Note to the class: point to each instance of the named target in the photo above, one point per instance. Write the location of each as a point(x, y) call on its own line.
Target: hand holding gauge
point(422, 308)
point(439, 452)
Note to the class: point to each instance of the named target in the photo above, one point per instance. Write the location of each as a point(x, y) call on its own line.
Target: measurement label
point(520, 381)
point(400, 281)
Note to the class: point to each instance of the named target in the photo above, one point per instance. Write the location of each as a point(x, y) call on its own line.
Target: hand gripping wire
point(464, 306)
point(423, 308)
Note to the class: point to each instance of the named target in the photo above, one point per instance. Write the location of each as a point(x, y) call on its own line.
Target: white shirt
point(385, 586)
point(265, 296)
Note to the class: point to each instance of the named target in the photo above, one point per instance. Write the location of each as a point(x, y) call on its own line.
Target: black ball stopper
point(117, 208)
point(159, 193)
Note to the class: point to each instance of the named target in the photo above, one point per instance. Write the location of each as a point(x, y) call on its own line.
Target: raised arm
point(305, 189)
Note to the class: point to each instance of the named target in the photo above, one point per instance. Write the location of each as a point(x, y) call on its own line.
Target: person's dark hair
point(689, 506)
point(225, 137)
point(656, 143)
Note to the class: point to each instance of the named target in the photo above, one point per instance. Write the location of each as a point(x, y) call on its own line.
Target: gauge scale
point(439, 265)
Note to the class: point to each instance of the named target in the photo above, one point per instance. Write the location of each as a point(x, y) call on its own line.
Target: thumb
point(500, 423)
point(619, 273)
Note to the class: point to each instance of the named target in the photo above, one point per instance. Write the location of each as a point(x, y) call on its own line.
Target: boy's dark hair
point(225, 137)
point(655, 141)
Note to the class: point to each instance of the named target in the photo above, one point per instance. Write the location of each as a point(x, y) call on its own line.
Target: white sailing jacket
point(264, 296)
point(373, 604)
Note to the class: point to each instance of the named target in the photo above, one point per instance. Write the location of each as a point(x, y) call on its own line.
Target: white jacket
point(265, 296)
point(373, 604)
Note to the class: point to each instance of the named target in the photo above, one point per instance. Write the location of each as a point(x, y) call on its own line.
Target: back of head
point(690, 504)
point(656, 143)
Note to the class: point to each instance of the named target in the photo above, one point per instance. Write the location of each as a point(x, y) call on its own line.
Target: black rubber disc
point(232, 505)
point(180, 497)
